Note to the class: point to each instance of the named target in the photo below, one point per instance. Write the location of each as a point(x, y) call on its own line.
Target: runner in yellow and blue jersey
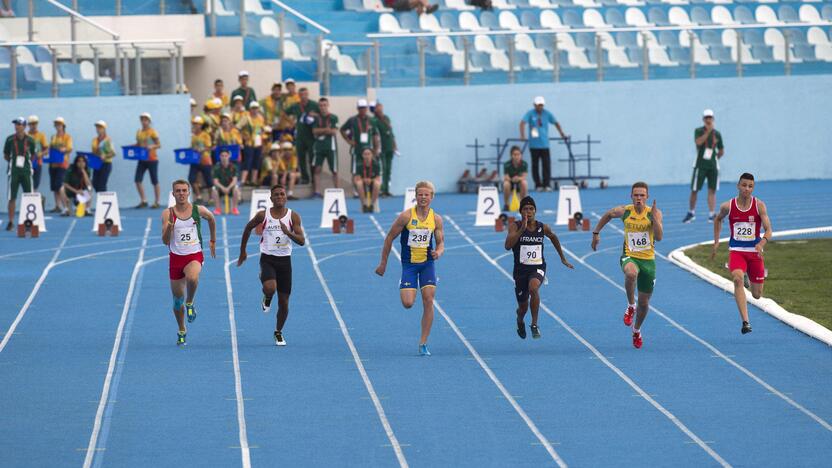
point(642, 228)
point(422, 242)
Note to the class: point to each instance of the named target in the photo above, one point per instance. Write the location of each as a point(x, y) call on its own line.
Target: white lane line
point(346, 252)
point(388, 429)
point(105, 391)
point(615, 247)
point(716, 351)
point(600, 356)
point(517, 408)
point(35, 290)
point(245, 452)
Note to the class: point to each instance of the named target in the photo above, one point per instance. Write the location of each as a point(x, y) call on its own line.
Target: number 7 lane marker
point(517, 408)
point(35, 290)
point(598, 354)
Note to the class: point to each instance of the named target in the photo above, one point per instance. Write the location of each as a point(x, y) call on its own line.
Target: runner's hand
point(713, 252)
point(241, 258)
point(213, 246)
point(657, 213)
point(284, 228)
point(380, 268)
point(595, 239)
point(759, 248)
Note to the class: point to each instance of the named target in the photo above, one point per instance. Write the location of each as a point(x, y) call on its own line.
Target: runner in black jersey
point(525, 238)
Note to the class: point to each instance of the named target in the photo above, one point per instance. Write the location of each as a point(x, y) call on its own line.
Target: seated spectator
point(225, 183)
point(201, 143)
point(76, 182)
point(270, 164)
point(288, 171)
point(367, 180)
point(481, 4)
point(421, 6)
point(238, 111)
point(515, 172)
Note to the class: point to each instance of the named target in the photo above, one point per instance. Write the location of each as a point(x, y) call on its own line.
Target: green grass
point(799, 274)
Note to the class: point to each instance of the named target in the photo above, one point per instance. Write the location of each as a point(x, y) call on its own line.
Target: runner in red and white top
point(279, 227)
point(182, 233)
point(746, 216)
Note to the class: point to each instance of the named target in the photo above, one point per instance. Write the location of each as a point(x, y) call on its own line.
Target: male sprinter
point(182, 232)
point(417, 229)
point(746, 214)
point(280, 225)
point(642, 228)
point(525, 238)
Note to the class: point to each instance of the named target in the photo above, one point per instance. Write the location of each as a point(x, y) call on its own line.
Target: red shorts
point(179, 262)
point(749, 262)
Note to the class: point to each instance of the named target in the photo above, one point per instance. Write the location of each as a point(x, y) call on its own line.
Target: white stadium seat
point(430, 23)
point(484, 43)
point(346, 65)
point(774, 39)
point(458, 5)
point(87, 70)
point(764, 14)
point(635, 17)
point(524, 43)
point(577, 59)
point(722, 15)
point(388, 23)
point(541, 4)
point(508, 20)
point(679, 17)
point(593, 19)
point(550, 20)
point(291, 51)
point(729, 39)
point(270, 28)
point(469, 22)
point(809, 14)
point(46, 73)
point(539, 61)
point(256, 8)
point(502, 5)
point(221, 10)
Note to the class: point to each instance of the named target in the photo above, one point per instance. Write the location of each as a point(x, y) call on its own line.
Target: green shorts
point(19, 178)
point(646, 273)
point(325, 155)
point(699, 176)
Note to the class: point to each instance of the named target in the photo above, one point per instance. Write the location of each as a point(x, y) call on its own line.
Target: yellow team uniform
point(147, 138)
point(63, 143)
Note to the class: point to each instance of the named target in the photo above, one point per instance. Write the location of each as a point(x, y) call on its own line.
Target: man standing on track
point(19, 151)
point(538, 120)
point(182, 232)
point(709, 150)
point(417, 228)
point(746, 215)
point(642, 228)
point(280, 226)
point(526, 239)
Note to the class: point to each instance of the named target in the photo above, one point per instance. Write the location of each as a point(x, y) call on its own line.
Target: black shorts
point(149, 166)
point(205, 170)
point(522, 276)
point(278, 269)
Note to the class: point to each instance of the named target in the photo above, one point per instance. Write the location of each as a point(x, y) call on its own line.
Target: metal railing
point(74, 18)
point(372, 60)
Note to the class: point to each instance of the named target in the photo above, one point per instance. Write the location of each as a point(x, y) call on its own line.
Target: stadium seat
point(614, 18)
point(24, 56)
point(710, 37)
point(5, 58)
point(805, 52)
point(388, 23)
point(309, 48)
point(46, 74)
point(502, 5)
point(530, 19)
point(721, 54)
point(729, 40)
point(659, 56)
point(669, 38)
point(550, 20)
point(269, 27)
point(626, 39)
point(572, 19)
point(672, 2)
point(445, 45)
point(409, 20)
point(826, 12)
point(353, 5)
point(592, 56)
point(483, 43)
point(489, 20)
point(508, 20)
point(221, 9)
point(608, 3)
point(524, 43)
point(539, 60)
point(632, 3)
point(4, 34)
point(809, 14)
point(541, 4)
point(86, 70)
point(593, 19)
point(678, 16)
point(586, 3)
point(658, 16)
point(577, 58)
point(42, 55)
point(458, 5)
point(449, 21)
point(616, 54)
point(72, 71)
point(744, 15)
point(763, 53)
point(458, 64)
point(764, 14)
point(753, 37)
point(700, 16)
point(469, 22)
point(787, 14)
point(372, 5)
point(635, 17)
point(345, 65)
point(722, 15)
point(291, 51)
point(585, 40)
point(430, 23)
point(816, 36)
point(774, 39)
point(499, 61)
point(256, 8)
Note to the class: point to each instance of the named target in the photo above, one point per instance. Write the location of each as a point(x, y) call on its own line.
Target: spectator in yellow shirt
point(201, 143)
point(288, 171)
point(41, 148)
point(252, 126)
point(147, 137)
point(62, 142)
point(102, 147)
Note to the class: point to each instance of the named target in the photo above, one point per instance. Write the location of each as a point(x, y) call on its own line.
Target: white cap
point(193, 102)
point(33, 119)
point(539, 101)
point(287, 145)
point(254, 105)
point(60, 120)
point(242, 74)
point(101, 123)
point(708, 113)
point(145, 114)
point(373, 103)
point(289, 80)
point(197, 120)
point(237, 98)
point(275, 147)
point(362, 103)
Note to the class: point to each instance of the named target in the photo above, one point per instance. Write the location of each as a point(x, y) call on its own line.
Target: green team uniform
point(325, 147)
point(357, 127)
point(639, 246)
point(224, 174)
point(19, 152)
point(511, 170)
point(304, 139)
point(388, 143)
point(248, 95)
point(707, 165)
point(368, 171)
point(75, 180)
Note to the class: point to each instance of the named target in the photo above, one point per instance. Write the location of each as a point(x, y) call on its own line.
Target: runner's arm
point(658, 226)
point(439, 235)
point(547, 231)
point(395, 230)
point(167, 227)
point(616, 212)
point(763, 210)
point(513, 235)
point(212, 227)
point(253, 223)
point(723, 212)
point(296, 233)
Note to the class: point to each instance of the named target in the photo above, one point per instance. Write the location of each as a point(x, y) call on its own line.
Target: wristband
point(596, 233)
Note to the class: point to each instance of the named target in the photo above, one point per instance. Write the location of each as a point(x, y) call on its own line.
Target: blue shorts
point(417, 274)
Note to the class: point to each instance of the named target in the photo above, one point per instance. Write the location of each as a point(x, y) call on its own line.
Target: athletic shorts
point(150, 166)
point(179, 262)
point(19, 178)
point(522, 276)
point(56, 178)
point(278, 269)
point(646, 273)
point(699, 177)
point(205, 170)
point(419, 275)
point(324, 155)
point(253, 158)
point(749, 262)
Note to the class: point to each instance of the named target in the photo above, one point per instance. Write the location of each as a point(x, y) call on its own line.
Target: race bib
point(708, 154)
point(418, 238)
point(531, 255)
point(638, 241)
point(20, 161)
point(535, 132)
point(744, 231)
point(187, 237)
point(364, 138)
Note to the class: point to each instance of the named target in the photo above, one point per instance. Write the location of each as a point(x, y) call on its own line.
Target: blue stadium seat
point(353, 5)
point(679, 54)
point(70, 70)
point(592, 55)
point(762, 53)
point(626, 39)
point(743, 15)
point(530, 19)
point(710, 37)
point(700, 16)
point(43, 55)
point(635, 55)
point(796, 36)
point(572, 19)
point(668, 38)
point(657, 16)
point(408, 20)
point(721, 54)
point(5, 57)
point(615, 18)
point(826, 12)
point(753, 37)
point(489, 20)
point(309, 48)
point(609, 3)
point(449, 21)
point(787, 14)
point(805, 52)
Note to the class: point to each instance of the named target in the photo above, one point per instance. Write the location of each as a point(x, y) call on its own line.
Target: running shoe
point(689, 218)
point(423, 350)
point(191, 312)
point(266, 303)
point(535, 332)
point(180, 338)
point(55, 210)
point(317, 195)
point(155, 206)
point(431, 9)
point(637, 341)
point(278, 339)
point(711, 218)
point(628, 315)
point(9, 226)
point(746, 328)
point(141, 205)
point(235, 211)
point(217, 211)
point(521, 330)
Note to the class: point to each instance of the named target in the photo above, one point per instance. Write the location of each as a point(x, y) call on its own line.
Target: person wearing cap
point(270, 165)
point(305, 111)
point(709, 150)
point(288, 172)
point(244, 90)
point(147, 137)
point(251, 127)
point(219, 93)
point(291, 97)
point(227, 135)
point(538, 120)
point(193, 107)
point(211, 114)
point(62, 142)
point(201, 143)
point(325, 147)
point(224, 177)
point(272, 105)
point(526, 239)
point(18, 151)
point(238, 111)
point(41, 148)
point(102, 147)
point(388, 144)
point(360, 132)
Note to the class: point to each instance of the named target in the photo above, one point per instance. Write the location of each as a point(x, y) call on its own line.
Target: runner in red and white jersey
point(747, 217)
point(182, 233)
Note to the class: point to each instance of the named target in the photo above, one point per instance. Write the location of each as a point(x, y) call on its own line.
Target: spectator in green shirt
point(361, 133)
point(709, 150)
point(19, 151)
point(388, 145)
point(305, 111)
point(244, 91)
point(325, 147)
point(225, 183)
point(76, 182)
point(514, 177)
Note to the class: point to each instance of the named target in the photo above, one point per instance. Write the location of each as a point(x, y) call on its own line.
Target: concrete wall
point(170, 118)
point(775, 127)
